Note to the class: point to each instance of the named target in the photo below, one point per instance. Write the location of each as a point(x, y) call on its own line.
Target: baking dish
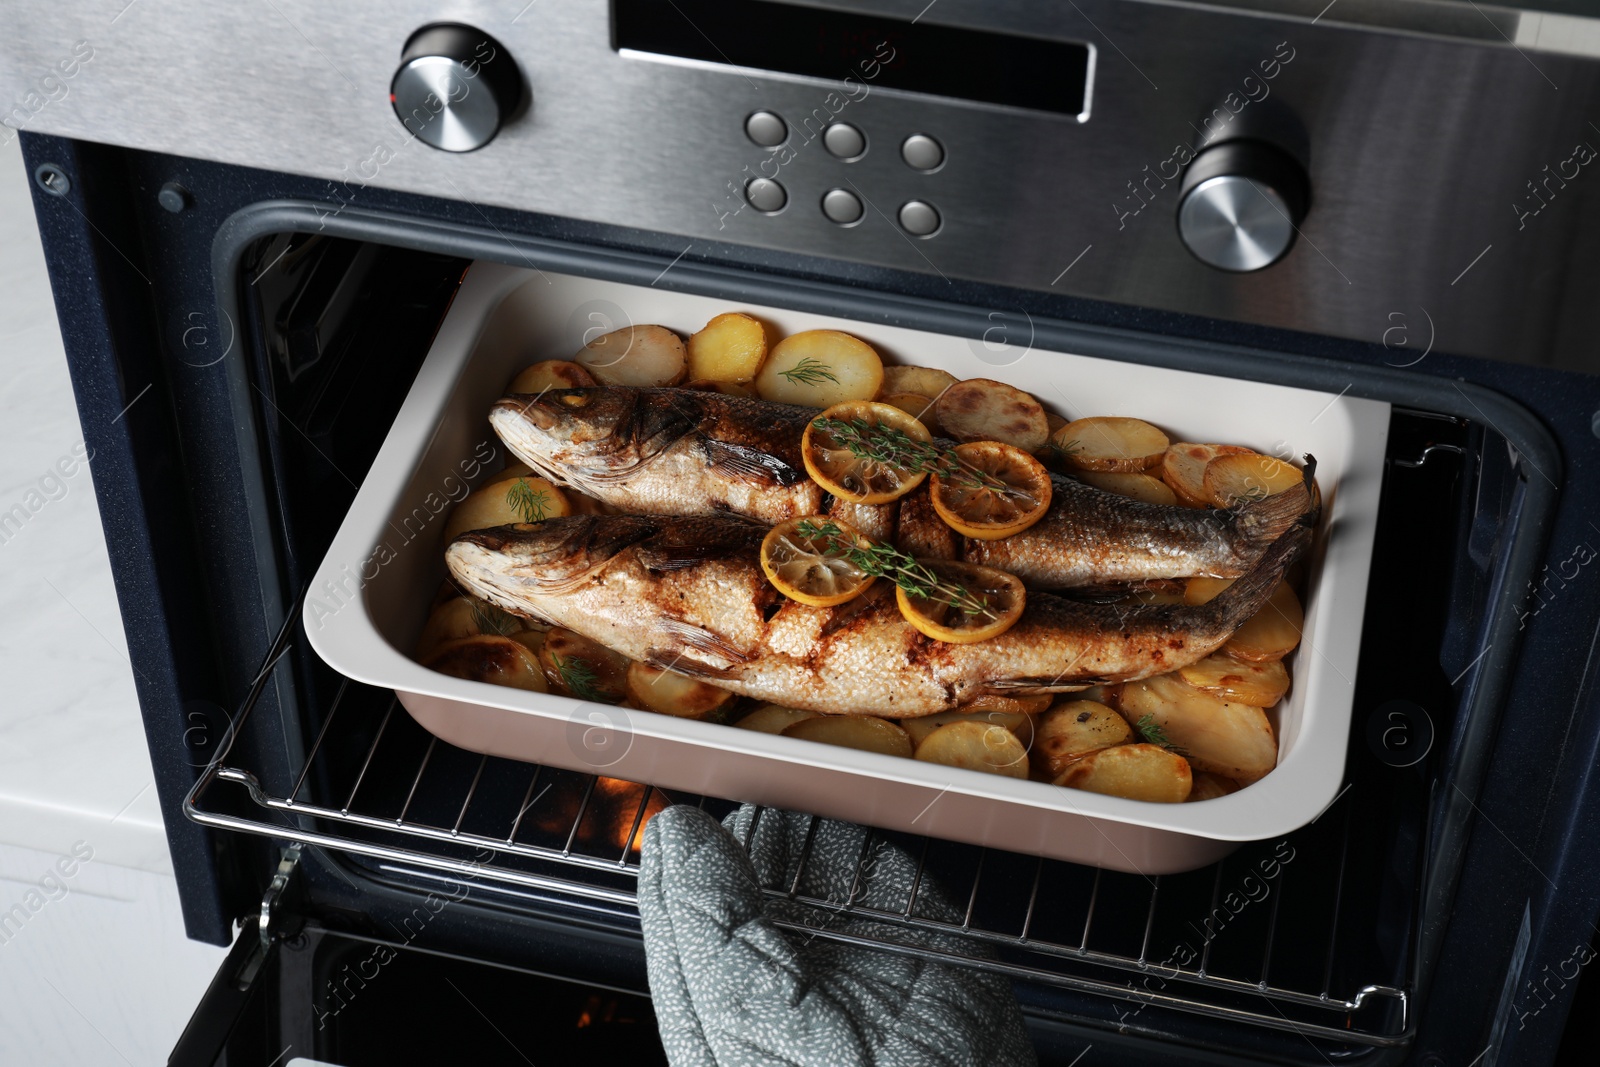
point(371, 594)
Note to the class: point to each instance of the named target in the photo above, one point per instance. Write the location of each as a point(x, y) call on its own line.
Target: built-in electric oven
point(256, 220)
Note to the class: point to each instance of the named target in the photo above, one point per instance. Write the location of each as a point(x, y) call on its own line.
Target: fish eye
point(575, 400)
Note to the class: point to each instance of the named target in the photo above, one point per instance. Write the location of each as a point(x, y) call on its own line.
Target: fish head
point(519, 565)
point(578, 436)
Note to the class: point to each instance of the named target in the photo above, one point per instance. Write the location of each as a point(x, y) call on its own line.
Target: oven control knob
point(455, 87)
point(1241, 205)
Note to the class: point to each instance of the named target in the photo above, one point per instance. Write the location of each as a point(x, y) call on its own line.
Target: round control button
point(842, 206)
point(919, 219)
point(766, 129)
point(922, 152)
point(765, 195)
point(844, 140)
point(455, 88)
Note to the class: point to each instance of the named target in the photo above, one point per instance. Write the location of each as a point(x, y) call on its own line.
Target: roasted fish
point(688, 594)
point(684, 452)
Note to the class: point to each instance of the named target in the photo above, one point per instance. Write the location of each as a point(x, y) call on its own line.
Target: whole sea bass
point(689, 594)
point(685, 452)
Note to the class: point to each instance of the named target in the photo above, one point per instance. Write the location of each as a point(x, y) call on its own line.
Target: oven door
point(279, 338)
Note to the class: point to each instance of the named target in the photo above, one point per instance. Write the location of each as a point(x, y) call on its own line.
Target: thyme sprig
point(810, 372)
point(893, 447)
point(578, 678)
point(532, 504)
point(1156, 734)
point(885, 561)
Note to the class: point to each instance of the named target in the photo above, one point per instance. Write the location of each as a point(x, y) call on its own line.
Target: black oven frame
point(184, 550)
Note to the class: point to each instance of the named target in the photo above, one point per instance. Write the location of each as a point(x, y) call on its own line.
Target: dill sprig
point(1065, 451)
point(885, 561)
point(810, 372)
point(492, 620)
point(579, 679)
point(1156, 734)
point(532, 504)
point(893, 447)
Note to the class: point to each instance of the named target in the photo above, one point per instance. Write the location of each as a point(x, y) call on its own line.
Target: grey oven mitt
point(731, 989)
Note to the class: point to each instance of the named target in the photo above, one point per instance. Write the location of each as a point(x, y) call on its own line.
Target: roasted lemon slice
point(992, 490)
point(867, 453)
point(963, 602)
point(806, 560)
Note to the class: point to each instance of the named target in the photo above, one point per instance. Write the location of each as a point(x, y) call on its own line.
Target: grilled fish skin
point(688, 594)
point(685, 452)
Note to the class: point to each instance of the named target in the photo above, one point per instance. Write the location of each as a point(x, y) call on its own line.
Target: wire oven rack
point(374, 784)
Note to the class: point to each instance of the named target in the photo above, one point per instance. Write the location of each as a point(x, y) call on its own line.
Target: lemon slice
point(812, 567)
point(996, 490)
point(996, 597)
point(869, 463)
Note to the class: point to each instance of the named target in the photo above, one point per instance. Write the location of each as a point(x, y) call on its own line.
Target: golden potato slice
point(1214, 735)
point(1136, 486)
point(853, 731)
point(924, 381)
point(820, 368)
point(773, 718)
point(1018, 723)
point(1110, 443)
point(1208, 786)
point(512, 470)
point(489, 658)
point(551, 374)
point(1271, 633)
point(1028, 705)
point(1236, 479)
point(729, 348)
point(672, 693)
point(1202, 590)
point(642, 356)
point(579, 667)
point(980, 409)
point(503, 502)
point(1109, 694)
point(1136, 772)
point(1183, 468)
point(532, 640)
point(918, 407)
point(586, 505)
point(706, 385)
point(1072, 730)
point(465, 616)
point(976, 746)
point(1261, 684)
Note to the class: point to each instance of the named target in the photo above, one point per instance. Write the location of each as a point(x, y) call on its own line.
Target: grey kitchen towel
point(731, 989)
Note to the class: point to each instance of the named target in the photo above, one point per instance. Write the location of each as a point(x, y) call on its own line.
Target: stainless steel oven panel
point(1440, 217)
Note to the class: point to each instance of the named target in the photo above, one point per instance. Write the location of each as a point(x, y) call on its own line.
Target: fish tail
point(1250, 593)
point(1262, 522)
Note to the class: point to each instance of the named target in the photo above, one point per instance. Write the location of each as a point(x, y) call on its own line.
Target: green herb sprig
point(893, 447)
point(810, 371)
point(1156, 734)
point(579, 679)
point(532, 504)
point(885, 561)
point(492, 620)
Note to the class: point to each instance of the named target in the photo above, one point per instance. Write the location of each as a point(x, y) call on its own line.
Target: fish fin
point(749, 464)
point(1249, 594)
point(1263, 521)
point(703, 641)
point(1019, 687)
point(684, 545)
point(682, 664)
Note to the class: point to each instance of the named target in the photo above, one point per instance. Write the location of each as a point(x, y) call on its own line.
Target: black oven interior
point(1300, 950)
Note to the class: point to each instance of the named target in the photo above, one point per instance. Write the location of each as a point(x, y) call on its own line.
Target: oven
point(256, 221)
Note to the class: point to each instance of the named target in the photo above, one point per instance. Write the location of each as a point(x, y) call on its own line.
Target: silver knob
point(1241, 205)
point(455, 87)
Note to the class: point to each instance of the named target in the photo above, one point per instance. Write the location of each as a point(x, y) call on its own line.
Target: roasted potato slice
point(489, 658)
point(918, 407)
point(1271, 633)
point(586, 505)
point(1019, 723)
point(503, 502)
point(1024, 705)
point(1135, 486)
point(924, 381)
point(1110, 443)
point(1260, 684)
point(853, 731)
point(820, 368)
point(1202, 590)
point(1208, 786)
point(578, 667)
point(1236, 479)
point(551, 374)
point(1136, 772)
point(1214, 735)
point(729, 348)
point(773, 718)
point(1183, 468)
point(976, 746)
point(642, 356)
point(706, 385)
point(980, 409)
point(1072, 730)
point(465, 616)
point(1108, 694)
point(671, 693)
